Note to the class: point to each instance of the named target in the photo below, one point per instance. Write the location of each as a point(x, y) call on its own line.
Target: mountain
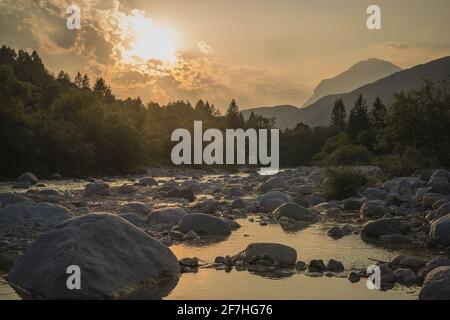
point(359, 74)
point(280, 113)
point(319, 112)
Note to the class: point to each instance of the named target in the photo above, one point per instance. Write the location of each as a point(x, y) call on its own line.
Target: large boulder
point(135, 207)
point(440, 185)
point(373, 209)
point(430, 198)
point(441, 173)
point(273, 199)
point(33, 213)
point(439, 261)
point(166, 216)
point(436, 285)
point(115, 258)
point(294, 211)
point(7, 198)
point(28, 177)
point(372, 230)
point(98, 188)
point(132, 218)
point(409, 262)
point(204, 224)
point(441, 211)
point(284, 255)
point(440, 231)
point(272, 184)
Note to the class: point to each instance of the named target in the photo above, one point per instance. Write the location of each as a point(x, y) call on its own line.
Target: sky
point(260, 52)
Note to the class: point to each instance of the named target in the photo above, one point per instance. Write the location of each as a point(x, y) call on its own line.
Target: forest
point(77, 127)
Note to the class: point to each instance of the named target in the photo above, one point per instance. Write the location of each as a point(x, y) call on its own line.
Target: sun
point(144, 39)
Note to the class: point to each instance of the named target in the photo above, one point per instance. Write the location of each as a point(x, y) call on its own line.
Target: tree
point(359, 119)
point(63, 79)
point(234, 117)
point(378, 113)
point(78, 80)
point(86, 82)
point(101, 88)
point(339, 116)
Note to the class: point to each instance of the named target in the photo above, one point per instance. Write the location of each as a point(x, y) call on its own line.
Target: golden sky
point(260, 52)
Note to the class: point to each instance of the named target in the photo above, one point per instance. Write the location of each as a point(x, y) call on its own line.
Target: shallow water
point(310, 243)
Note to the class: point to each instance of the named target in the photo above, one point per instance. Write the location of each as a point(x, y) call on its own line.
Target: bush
point(347, 155)
point(402, 162)
point(343, 183)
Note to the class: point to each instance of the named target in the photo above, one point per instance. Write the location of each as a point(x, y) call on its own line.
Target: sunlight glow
point(144, 39)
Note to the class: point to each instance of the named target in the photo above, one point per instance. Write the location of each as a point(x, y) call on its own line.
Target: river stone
point(440, 173)
point(373, 209)
point(7, 198)
point(316, 266)
point(21, 185)
point(204, 224)
point(181, 194)
point(28, 177)
point(148, 181)
point(273, 199)
point(272, 184)
point(440, 231)
point(335, 266)
point(99, 188)
point(166, 216)
point(294, 211)
point(441, 211)
point(135, 207)
point(115, 258)
point(405, 276)
point(132, 218)
point(353, 204)
point(440, 185)
point(374, 229)
point(238, 204)
point(335, 233)
point(192, 185)
point(29, 212)
point(430, 198)
point(439, 261)
point(284, 255)
point(436, 285)
point(410, 262)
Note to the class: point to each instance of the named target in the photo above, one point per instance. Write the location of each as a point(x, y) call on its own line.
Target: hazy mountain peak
point(361, 73)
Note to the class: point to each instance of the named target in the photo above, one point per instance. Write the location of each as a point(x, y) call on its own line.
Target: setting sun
point(144, 39)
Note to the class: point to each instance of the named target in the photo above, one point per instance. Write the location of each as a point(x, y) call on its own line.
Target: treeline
point(74, 127)
point(77, 127)
point(410, 134)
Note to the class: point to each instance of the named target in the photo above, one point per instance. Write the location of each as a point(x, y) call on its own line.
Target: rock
point(228, 261)
point(440, 173)
point(192, 185)
point(429, 199)
point(181, 194)
point(56, 176)
point(204, 224)
point(436, 285)
point(373, 209)
point(374, 229)
point(233, 224)
point(314, 199)
point(348, 229)
point(170, 216)
point(21, 185)
point(294, 211)
point(374, 193)
point(273, 199)
point(238, 204)
point(219, 259)
point(99, 188)
point(410, 262)
point(387, 275)
point(135, 207)
point(334, 212)
point(300, 265)
point(28, 177)
point(440, 231)
point(335, 266)
point(126, 189)
point(284, 255)
point(440, 185)
point(209, 206)
point(272, 184)
point(316, 266)
point(441, 211)
point(132, 218)
point(191, 235)
point(395, 238)
point(353, 204)
point(335, 233)
point(7, 198)
point(33, 213)
point(405, 276)
point(439, 261)
point(148, 182)
point(354, 277)
point(189, 262)
point(302, 190)
point(115, 259)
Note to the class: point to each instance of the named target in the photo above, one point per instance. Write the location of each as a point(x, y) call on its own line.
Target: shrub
point(402, 162)
point(343, 183)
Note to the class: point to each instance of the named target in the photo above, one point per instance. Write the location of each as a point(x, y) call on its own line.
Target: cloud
point(205, 48)
point(397, 45)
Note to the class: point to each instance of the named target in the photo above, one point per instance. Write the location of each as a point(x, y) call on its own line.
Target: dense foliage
point(52, 124)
